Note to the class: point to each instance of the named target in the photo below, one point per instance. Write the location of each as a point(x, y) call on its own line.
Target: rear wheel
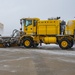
point(27, 42)
point(71, 44)
point(64, 43)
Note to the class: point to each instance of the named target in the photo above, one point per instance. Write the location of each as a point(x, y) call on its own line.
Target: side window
point(28, 22)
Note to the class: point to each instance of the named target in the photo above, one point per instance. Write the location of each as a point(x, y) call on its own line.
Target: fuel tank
point(48, 40)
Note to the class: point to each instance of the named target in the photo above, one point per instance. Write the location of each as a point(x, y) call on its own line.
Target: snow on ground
point(47, 49)
point(70, 53)
point(15, 60)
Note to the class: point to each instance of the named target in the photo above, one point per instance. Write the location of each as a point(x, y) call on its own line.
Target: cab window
point(28, 22)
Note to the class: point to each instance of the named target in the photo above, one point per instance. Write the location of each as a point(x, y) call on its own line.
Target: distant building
point(1, 28)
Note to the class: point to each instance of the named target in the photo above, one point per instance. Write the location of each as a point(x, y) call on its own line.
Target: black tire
point(27, 42)
point(71, 44)
point(64, 43)
point(35, 45)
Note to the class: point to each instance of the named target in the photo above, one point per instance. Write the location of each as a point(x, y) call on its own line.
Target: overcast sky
point(12, 10)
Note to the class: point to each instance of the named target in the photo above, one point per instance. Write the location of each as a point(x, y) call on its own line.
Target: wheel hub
point(27, 43)
point(64, 43)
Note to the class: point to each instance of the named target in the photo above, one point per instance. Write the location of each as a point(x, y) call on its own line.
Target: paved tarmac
point(45, 60)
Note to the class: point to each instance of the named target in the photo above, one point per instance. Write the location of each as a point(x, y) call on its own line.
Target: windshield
point(28, 22)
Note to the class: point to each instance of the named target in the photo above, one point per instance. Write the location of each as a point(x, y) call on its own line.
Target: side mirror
point(21, 21)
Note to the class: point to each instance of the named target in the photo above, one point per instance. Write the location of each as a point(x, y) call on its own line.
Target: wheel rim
point(64, 44)
point(27, 43)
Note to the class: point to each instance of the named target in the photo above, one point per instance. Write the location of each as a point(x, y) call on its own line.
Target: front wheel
point(35, 44)
point(27, 42)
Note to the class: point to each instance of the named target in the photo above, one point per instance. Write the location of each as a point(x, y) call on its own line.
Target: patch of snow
point(66, 60)
point(21, 58)
point(13, 71)
point(6, 66)
point(70, 53)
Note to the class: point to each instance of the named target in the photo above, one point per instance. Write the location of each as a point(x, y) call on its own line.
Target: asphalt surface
point(45, 60)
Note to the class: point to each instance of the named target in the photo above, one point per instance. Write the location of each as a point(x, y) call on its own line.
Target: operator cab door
point(28, 28)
